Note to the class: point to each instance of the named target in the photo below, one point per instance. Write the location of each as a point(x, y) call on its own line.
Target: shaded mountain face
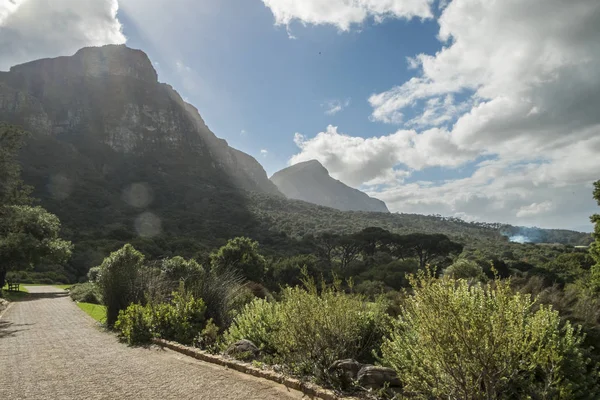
point(108, 98)
point(310, 181)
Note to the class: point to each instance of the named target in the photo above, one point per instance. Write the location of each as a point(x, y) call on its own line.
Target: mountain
point(110, 97)
point(120, 157)
point(310, 181)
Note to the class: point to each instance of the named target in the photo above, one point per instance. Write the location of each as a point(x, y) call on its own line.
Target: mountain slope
point(110, 96)
point(311, 182)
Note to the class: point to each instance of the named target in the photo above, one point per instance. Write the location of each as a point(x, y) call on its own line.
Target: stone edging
point(307, 389)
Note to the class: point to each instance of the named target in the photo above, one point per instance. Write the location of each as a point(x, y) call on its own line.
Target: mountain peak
point(108, 60)
point(310, 181)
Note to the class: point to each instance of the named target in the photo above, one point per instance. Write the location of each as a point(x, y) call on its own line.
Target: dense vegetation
point(454, 308)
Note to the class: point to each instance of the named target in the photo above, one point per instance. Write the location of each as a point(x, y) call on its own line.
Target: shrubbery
point(86, 293)
point(181, 320)
point(307, 330)
point(118, 281)
point(455, 340)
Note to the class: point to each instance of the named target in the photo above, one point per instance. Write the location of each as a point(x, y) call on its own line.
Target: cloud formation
point(32, 29)
point(343, 13)
point(333, 107)
point(518, 86)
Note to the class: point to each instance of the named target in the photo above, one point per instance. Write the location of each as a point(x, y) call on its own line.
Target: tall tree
point(241, 254)
point(28, 235)
point(429, 247)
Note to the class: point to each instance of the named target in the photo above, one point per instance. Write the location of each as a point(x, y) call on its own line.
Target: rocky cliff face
point(310, 181)
point(110, 97)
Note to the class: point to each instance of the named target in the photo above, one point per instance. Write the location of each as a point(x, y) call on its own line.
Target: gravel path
point(50, 349)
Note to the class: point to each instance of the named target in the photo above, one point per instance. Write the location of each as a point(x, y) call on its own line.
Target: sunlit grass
point(12, 296)
point(95, 311)
point(63, 287)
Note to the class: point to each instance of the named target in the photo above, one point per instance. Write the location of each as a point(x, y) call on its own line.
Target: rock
point(243, 349)
point(348, 369)
point(373, 377)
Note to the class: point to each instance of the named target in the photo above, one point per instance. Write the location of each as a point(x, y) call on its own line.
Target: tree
point(29, 235)
point(465, 269)
point(327, 242)
point(429, 247)
point(374, 239)
point(456, 340)
point(241, 254)
point(118, 280)
point(349, 249)
point(179, 269)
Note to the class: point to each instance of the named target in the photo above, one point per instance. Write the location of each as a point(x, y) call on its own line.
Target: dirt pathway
point(50, 349)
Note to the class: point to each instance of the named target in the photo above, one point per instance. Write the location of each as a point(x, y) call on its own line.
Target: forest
point(452, 309)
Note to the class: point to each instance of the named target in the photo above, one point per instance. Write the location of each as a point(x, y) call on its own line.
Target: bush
point(221, 293)
point(86, 293)
point(118, 281)
point(240, 254)
point(178, 269)
point(179, 320)
point(308, 330)
point(258, 322)
point(454, 340)
point(465, 269)
point(135, 324)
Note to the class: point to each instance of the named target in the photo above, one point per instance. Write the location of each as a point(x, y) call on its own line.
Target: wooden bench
point(13, 286)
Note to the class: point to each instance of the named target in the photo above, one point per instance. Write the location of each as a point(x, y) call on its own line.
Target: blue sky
point(248, 75)
point(478, 109)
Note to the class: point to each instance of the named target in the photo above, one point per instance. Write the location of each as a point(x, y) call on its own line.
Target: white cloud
point(333, 107)
point(343, 13)
point(243, 132)
point(264, 152)
point(32, 29)
point(535, 208)
point(516, 82)
point(356, 160)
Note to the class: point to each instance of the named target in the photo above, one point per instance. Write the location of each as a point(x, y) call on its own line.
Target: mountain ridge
point(310, 181)
point(111, 94)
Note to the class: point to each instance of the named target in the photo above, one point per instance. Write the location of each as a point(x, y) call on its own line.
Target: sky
point(485, 110)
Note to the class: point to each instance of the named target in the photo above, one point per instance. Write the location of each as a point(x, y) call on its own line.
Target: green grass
point(63, 287)
point(12, 296)
point(95, 311)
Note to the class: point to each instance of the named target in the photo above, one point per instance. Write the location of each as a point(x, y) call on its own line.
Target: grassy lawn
point(63, 287)
point(12, 296)
point(95, 311)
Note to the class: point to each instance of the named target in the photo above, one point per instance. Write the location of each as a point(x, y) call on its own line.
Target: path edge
point(10, 303)
point(296, 384)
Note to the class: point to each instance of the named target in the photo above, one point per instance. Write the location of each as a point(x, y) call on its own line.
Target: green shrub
point(93, 274)
point(86, 293)
point(465, 269)
point(135, 324)
point(258, 322)
point(308, 330)
point(180, 320)
point(209, 337)
point(455, 340)
point(118, 281)
point(221, 293)
point(178, 269)
point(318, 328)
